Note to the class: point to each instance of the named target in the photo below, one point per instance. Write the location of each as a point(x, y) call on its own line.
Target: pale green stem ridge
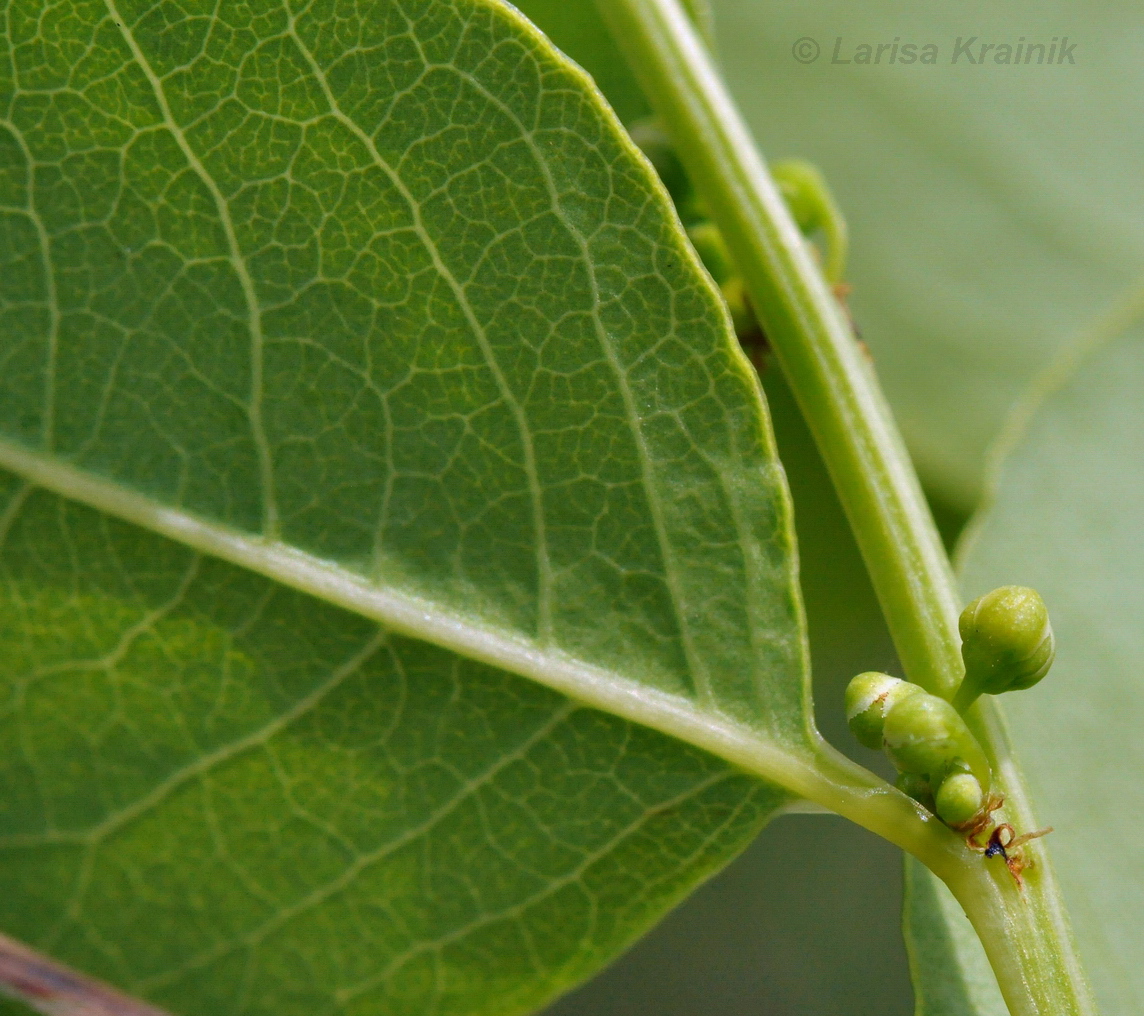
point(1025, 933)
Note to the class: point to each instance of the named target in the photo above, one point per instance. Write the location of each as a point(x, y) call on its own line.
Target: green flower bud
point(800, 184)
point(712, 250)
point(1006, 642)
point(917, 787)
point(924, 734)
point(955, 766)
point(868, 698)
point(959, 798)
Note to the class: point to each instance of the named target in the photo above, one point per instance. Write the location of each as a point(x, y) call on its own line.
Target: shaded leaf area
point(392, 288)
point(578, 30)
point(384, 284)
point(231, 797)
point(1066, 519)
point(994, 208)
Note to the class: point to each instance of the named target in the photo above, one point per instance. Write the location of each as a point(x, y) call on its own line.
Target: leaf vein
point(270, 521)
point(543, 561)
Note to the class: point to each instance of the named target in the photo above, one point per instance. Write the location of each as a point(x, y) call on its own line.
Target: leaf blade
point(175, 873)
point(680, 440)
point(227, 327)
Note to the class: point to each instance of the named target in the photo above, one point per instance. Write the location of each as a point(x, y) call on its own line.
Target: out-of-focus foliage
point(1066, 518)
point(995, 210)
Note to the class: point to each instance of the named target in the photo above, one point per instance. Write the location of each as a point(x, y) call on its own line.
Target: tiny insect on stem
point(1004, 842)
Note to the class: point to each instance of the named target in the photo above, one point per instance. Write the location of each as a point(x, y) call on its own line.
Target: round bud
point(868, 697)
point(812, 207)
point(1006, 642)
point(917, 787)
point(959, 798)
point(709, 245)
point(924, 734)
point(955, 766)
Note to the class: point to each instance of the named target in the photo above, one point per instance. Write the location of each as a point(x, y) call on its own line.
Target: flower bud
point(800, 183)
point(868, 697)
point(813, 208)
point(1006, 642)
point(959, 797)
point(924, 734)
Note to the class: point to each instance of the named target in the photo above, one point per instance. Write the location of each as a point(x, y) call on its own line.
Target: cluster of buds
point(1007, 645)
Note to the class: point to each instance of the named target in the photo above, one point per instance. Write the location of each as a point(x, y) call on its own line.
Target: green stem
point(827, 370)
point(1025, 933)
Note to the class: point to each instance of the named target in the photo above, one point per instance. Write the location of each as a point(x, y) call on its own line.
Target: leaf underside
point(578, 30)
point(384, 285)
point(234, 798)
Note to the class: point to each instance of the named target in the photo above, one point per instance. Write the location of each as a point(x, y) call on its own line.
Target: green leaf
point(326, 315)
point(577, 30)
point(990, 206)
point(1064, 519)
point(764, 935)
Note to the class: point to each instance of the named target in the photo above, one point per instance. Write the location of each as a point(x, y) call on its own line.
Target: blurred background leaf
point(994, 210)
point(1067, 519)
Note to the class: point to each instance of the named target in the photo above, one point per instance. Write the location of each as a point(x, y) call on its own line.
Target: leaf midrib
point(791, 766)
